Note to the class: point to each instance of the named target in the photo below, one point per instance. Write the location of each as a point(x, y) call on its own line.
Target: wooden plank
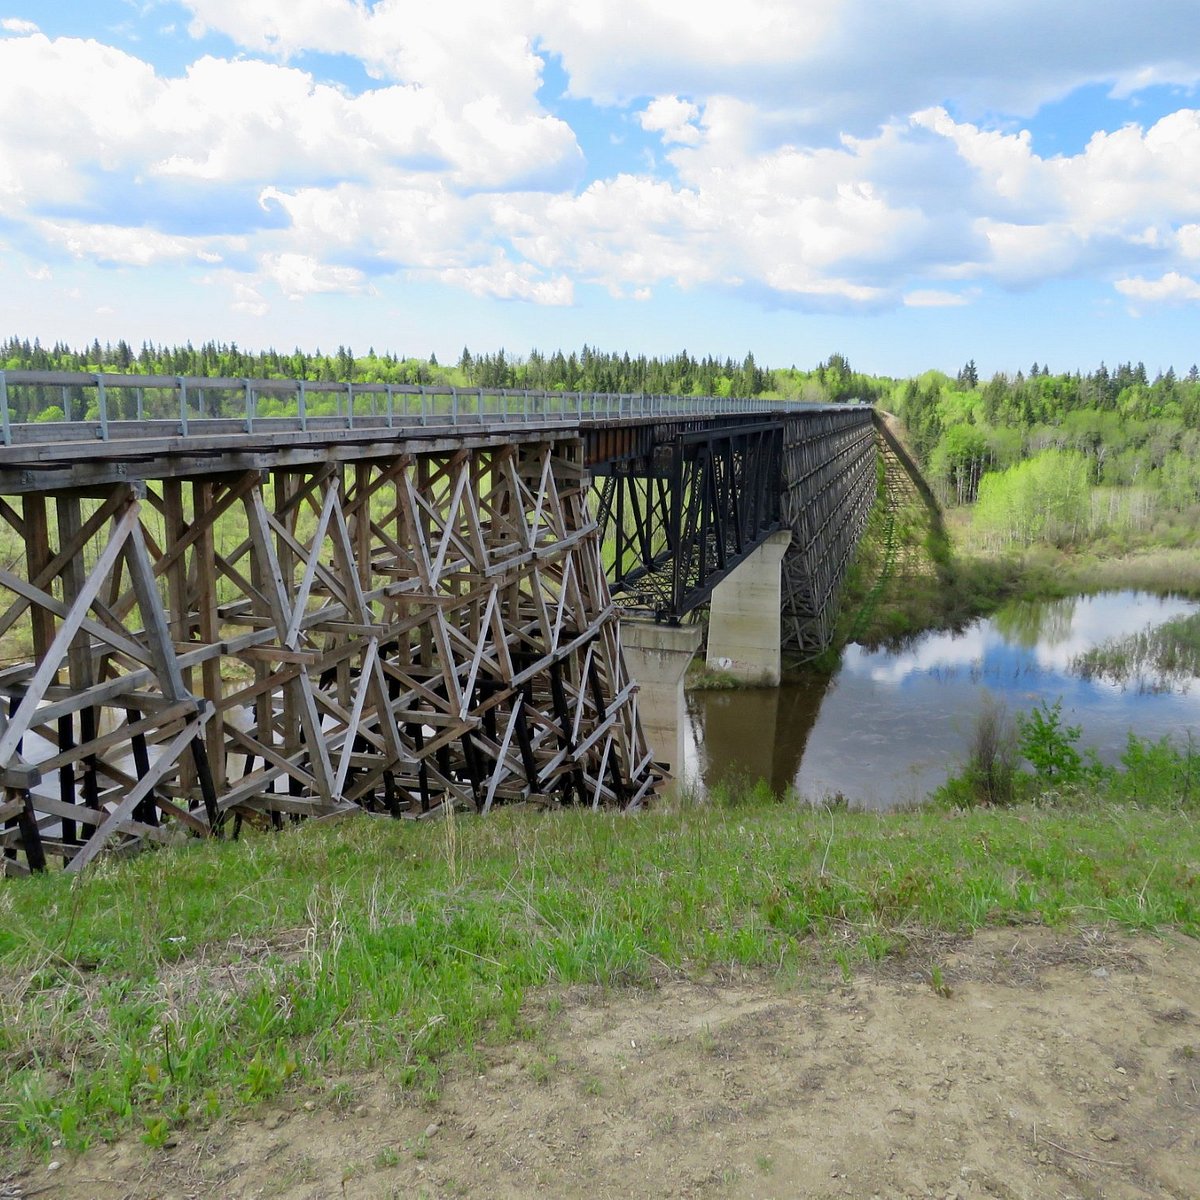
point(124, 811)
point(119, 692)
point(256, 784)
point(38, 559)
point(9, 514)
point(584, 674)
point(74, 812)
point(11, 807)
point(594, 736)
point(46, 603)
point(189, 820)
point(360, 697)
point(501, 758)
point(31, 835)
point(279, 802)
point(473, 672)
point(300, 604)
point(276, 598)
point(154, 618)
point(608, 744)
point(162, 719)
point(49, 666)
point(280, 654)
point(166, 665)
point(291, 493)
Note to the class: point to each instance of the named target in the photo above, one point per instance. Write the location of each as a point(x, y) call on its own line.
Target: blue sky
point(913, 184)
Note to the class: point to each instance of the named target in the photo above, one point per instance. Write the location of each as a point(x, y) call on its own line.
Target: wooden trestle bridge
point(228, 599)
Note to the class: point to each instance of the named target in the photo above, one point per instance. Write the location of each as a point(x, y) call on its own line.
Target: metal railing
point(50, 406)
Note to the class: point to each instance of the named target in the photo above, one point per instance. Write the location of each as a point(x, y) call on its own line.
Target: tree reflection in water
point(1164, 658)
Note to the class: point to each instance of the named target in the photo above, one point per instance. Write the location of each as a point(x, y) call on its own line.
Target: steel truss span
point(396, 631)
point(689, 505)
point(683, 515)
point(829, 487)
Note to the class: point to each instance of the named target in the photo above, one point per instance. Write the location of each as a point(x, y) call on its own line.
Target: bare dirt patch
point(1018, 1064)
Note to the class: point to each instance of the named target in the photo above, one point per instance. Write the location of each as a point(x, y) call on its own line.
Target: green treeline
point(1058, 458)
point(1041, 457)
point(588, 370)
point(221, 360)
point(596, 371)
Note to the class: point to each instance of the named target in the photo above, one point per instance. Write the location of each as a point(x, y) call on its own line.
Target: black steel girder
point(682, 514)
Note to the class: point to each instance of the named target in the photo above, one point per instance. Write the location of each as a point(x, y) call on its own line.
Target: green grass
point(1163, 560)
point(703, 678)
point(195, 981)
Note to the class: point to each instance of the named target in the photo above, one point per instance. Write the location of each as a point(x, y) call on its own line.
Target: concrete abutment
point(657, 657)
point(744, 618)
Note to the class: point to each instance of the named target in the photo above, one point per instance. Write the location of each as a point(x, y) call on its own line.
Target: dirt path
point(1059, 1065)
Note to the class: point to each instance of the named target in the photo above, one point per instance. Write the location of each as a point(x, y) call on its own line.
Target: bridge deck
point(61, 430)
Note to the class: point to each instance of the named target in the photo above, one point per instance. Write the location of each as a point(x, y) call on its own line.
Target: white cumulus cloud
point(300, 275)
point(505, 280)
point(673, 118)
point(1171, 288)
point(837, 155)
point(127, 245)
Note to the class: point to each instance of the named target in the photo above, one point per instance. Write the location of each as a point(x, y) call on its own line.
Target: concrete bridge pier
point(744, 621)
point(657, 656)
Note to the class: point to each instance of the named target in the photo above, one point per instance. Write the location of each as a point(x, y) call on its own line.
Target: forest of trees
point(593, 370)
point(1041, 456)
point(218, 359)
point(1058, 457)
point(588, 370)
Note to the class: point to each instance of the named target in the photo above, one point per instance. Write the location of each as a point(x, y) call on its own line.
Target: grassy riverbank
point(189, 982)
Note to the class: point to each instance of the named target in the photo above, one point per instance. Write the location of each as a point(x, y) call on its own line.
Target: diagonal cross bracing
point(829, 477)
point(393, 634)
point(223, 617)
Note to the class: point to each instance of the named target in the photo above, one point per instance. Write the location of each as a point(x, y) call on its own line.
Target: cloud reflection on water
point(892, 725)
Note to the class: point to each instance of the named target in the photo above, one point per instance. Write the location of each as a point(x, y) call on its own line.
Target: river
point(890, 726)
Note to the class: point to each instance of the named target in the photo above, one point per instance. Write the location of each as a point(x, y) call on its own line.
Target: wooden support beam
point(417, 630)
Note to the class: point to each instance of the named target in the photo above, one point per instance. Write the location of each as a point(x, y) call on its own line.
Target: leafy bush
point(1049, 747)
point(1045, 498)
point(1059, 769)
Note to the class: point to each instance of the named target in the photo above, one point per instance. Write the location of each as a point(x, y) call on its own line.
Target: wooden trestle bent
point(392, 632)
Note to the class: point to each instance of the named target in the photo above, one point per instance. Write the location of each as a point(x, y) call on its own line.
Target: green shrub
point(992, 765)
point(1049, 747)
